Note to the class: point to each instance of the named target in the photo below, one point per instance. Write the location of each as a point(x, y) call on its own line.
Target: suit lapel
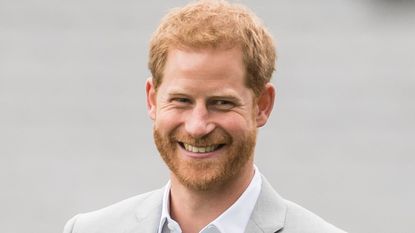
point(149, 213)
point(269, 213)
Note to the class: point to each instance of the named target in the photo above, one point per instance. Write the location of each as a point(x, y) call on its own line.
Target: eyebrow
point(225, 96)
point(177, 93)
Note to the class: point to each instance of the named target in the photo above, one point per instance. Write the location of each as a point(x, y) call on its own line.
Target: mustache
point(218, 136)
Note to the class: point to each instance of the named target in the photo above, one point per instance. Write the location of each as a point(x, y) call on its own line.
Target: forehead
point(206, 63)
point(212, 70)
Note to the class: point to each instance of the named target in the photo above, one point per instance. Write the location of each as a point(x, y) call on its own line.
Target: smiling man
point(210, 90)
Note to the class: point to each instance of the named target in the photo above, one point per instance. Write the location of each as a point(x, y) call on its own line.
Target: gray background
point(75, 135)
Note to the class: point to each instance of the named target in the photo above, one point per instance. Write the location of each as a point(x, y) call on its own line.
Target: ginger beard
point(205, 174)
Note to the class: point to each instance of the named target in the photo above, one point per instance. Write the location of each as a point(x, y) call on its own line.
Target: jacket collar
point(268, 215)
point(148, 213)
point(269, 212)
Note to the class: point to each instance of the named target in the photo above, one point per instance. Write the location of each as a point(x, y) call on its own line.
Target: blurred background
point(75, 135)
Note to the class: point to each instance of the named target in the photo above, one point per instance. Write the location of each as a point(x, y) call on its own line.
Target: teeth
point(197, 149)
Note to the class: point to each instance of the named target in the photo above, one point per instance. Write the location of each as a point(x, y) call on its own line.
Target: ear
point(151, 98)
point(265, 103)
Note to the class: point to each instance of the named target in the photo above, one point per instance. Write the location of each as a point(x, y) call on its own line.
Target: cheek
point(236, 124)
point(167, 120)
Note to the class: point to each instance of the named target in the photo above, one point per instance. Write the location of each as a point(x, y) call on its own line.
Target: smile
point(200, 149)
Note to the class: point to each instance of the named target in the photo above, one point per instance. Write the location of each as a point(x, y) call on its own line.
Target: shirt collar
point(234, 219)
point(165, 212)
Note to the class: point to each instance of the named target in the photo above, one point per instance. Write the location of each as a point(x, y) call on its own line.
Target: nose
point(197, 123)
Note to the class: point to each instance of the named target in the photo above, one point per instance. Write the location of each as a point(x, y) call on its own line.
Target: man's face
point(204, 116)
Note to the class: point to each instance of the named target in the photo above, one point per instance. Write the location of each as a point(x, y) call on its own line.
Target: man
point(211, 63)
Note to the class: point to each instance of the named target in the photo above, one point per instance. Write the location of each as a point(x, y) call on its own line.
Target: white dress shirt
point(233, 220)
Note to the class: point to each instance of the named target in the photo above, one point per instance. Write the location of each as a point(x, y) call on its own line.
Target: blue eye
point(222, 104)
point(182, 100)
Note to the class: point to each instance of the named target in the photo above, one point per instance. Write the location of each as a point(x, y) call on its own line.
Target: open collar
point(234, 219)
point(268, 215)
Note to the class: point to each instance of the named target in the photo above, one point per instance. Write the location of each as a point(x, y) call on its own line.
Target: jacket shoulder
point(116, 217)
point(273, 213)
point(299, 219)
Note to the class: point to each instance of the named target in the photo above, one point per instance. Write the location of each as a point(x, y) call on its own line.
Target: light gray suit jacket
point(141, 214)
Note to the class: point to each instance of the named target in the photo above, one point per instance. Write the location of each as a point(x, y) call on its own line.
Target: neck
point(207, 205)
